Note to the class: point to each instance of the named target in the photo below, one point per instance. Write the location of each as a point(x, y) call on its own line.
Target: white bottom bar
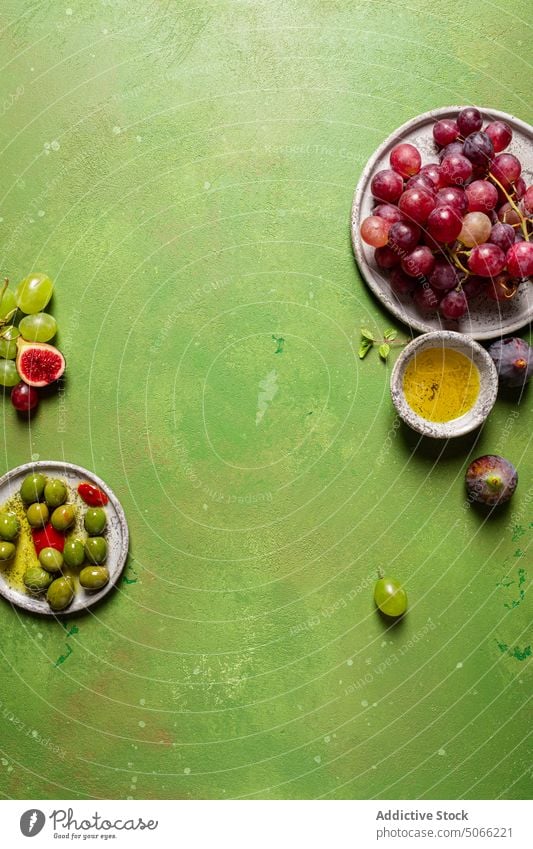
point(263, 825)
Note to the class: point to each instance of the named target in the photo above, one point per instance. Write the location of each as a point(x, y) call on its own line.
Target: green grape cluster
point(21, 314)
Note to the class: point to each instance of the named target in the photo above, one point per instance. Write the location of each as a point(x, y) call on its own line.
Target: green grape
point(8, 342)
point(39, 327)
point(390, 597)
point(33, 293)
point(8, 350)
point(8, 304)
point(9, 375)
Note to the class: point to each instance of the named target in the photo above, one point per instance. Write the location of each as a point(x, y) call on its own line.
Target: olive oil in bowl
point(441, 384)
point(444, 384)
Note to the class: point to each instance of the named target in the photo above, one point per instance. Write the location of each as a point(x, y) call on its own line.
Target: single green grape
point(33, 293)
point(8, 342)
point(9, 375)
point(39, 327)
point(8, 349)
point(390, 597)
point(8, 304)
point(9, 525)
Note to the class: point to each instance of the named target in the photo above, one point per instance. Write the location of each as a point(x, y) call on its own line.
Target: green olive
point(37, 579)
point(7, 550)
point(60, 593)
point(94, 577)
point(95, 521)
point(37, 515)
point(32, 488)
point(55, 493)
point(74, 552)
point(63, 517)
point(51, 559)
point(96, 550)
point(9, 526)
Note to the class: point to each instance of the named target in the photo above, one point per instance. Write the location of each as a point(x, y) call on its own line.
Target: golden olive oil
point(441, 384)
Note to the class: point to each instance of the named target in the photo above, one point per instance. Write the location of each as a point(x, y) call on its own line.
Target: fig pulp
point(38, 363)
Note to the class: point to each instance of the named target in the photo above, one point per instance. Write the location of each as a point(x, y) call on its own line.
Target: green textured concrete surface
point(185, 171)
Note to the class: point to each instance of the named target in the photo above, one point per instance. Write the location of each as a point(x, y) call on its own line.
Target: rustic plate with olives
point(63, 538)
point(437, 216)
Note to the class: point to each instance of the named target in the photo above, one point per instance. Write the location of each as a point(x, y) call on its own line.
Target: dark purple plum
point(513, 359)
point(491, 480)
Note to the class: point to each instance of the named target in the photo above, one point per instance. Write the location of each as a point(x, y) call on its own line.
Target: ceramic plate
point(116, 534)
point(487, 319)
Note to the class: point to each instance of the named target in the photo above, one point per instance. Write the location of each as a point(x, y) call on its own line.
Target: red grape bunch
point(456, 228)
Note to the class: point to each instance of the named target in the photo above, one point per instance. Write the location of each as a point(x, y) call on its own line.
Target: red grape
point(520, 259)
point(479, 149)
point(443, 276)
point(432, 171)
point(503, 236)
point(416, 204)
point(405, 159)
point(24, 398)
point(508, 215)
point(425, 298)
point(454, 304)
point(375, 231)
point(387, 185)
point(388, 212)
point(386, 257)
point(404, 236)
point(501, 288)
point(500, 134)
point(452, 196)
point(476, 229)
point(481, 195)
point(455, 169)
point(420, 262)
point(520, 188)
point(469, 120)
point(486, 260)
point(506, 168)
point(445, 131)
point(474, 286)
point(421, 181)
point(527, 200)
point(401, 283)
point(444, 224)
point(451, 149)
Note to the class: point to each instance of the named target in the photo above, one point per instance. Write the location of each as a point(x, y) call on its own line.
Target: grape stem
point(455, 259)
point(523, 224)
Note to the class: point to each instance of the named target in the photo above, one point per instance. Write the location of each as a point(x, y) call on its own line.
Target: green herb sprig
point(384, 345)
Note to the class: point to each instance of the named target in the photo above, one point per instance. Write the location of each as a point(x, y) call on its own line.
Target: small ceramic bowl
point(488, 380)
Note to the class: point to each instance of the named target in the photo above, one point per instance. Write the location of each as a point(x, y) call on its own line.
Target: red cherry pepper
point(47, 537)
point(92, 495)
